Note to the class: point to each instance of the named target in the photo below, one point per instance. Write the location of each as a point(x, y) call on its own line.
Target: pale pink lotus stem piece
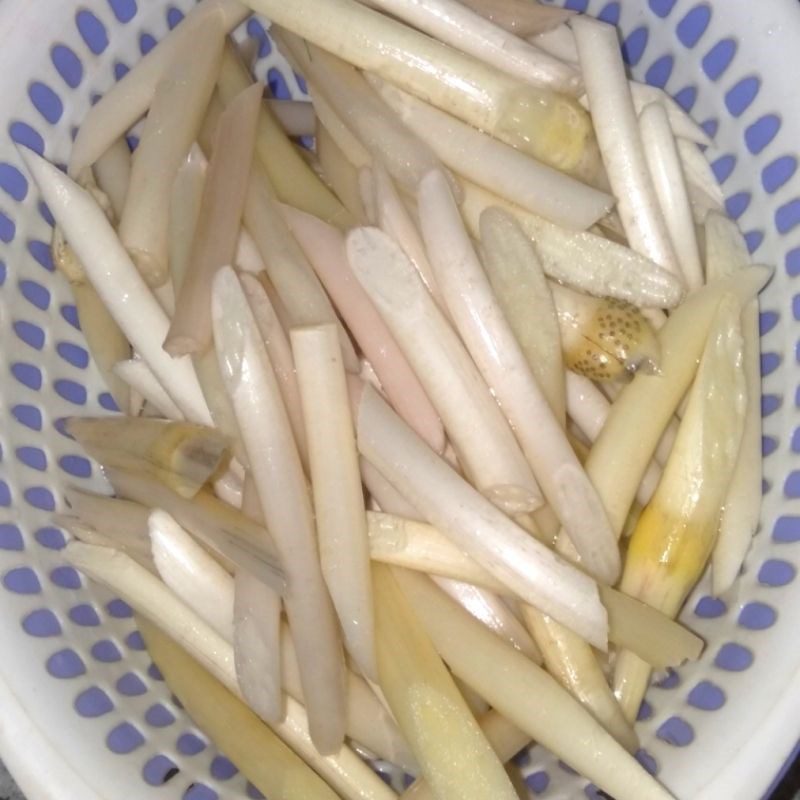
point(324, 247)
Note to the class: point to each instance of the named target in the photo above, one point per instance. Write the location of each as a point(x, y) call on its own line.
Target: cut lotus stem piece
point(524, 295)
point(492, 611)
point(726, 252)
point(285, 503)
point(470, 32)
point(523, 565)
point(497, 354)
point(505, 738)
point(172, 124)
point(294, 181)
point(122, 522)
point(223, 528)
point(519, 16)
point(602, 338)
point(394, 219)
point(138, 376)
point(256, 634)
point(324, 246)
point(340, 174)
point(267, 762)
point(588, 408)
point(473, 420)
point(406, 156)
point(383, 494)
point(88, 535)
point(675, 535)
point(107, 343)
point(453, 754)
point(280, 355)
point(699, 173)
point(128, 100)
point(184, 210)
point(182, 455)
point(113, 174)
point(617, 130)
point(415, 545)
point(574, 665)
point(582, 259)
point(640, 415)
point(339, 511)
point(218, 222)
point(192, 573)
point(118, 283)
point(500, 168)
point(664, 162)
point(289, 272)
point(527, 696)
point(297, 117)
point(550, 126)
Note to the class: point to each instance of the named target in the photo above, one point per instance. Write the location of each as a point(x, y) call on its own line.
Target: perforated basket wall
point(84, 713)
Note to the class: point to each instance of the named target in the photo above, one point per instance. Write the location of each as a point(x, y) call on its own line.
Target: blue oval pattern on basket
point(73, 64)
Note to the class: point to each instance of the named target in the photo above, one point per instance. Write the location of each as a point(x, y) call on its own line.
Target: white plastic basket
point(83, 714)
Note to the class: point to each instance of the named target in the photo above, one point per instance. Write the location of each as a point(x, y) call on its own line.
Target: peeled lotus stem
point(521, 17)
point(138, 376)
point(113, 174)
point(295, 116)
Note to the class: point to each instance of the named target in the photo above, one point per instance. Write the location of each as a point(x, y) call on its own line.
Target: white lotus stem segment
point(324, 246)
point(384, 495)
point(588, 408)
point(726, 252)
point(138, 376)
point(632, 624)
point(192, 573)
point(334, 126)
point(500, 168)
point(280, 355)
point(268, 763)
point(340, 174)
point(521, 17)
point(681, 123)
point(468, 31)
point(406, 156)
point(453, 754)
point(491, 343)
point(218, 222)
point(172, 124)
point(527, 696)
point(473, 420)
point(581, 259)
point(394, 218)
point(675, 535)
point(128, 100)
point(234, 537)
point(603, 338)
point(182, 455)
point(122, 289)
point(184, 210)
point(505, 738)
point(617, 130)
point(113, 174)
point(286, 505)
point(297, 117)
point(106, 341)
point(523, 565)
point(294, 180)
point(640, 415)
point(491, 610)
point(664, 162)
point(699, 173)
point(299, 289)
point(550, 126)
point(336, 485)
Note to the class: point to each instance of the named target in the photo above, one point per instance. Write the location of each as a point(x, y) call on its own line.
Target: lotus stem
point(113, 173)
point(136, 375)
